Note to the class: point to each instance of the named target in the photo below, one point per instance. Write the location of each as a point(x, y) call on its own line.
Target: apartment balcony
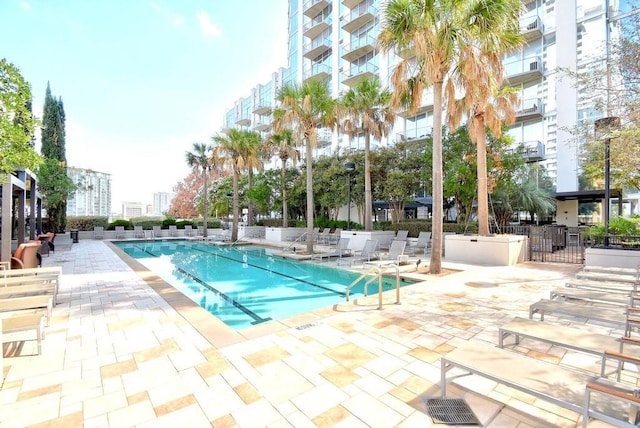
point(533, 151)
point(356, 18)
point(531, 28)
point(359, 47)
point(316, 48)
point(531, 108)
point(316, 26)
point(351, 3)
point(262, 109)
point(263, 124)
point(314, 7)
point(357, 73)
point(425, 105)
point(243, 122)
point(419, 134)
point(316, 71)
point(524, 70)
point(324, 136)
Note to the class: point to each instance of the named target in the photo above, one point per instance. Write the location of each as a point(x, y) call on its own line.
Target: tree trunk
point(205, 202)
point(483, 197)
point(249, 202)
point(285, 221)
point(368, 203)
point(234, 229)
point(435, 265)
point(309, 164)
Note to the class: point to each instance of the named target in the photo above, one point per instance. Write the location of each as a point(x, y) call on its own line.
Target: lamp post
point(603, 129)
point(229, 195)
point(349, 167)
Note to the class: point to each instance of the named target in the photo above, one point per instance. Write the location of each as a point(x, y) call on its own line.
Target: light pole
point(603, 128)
point(349, 167)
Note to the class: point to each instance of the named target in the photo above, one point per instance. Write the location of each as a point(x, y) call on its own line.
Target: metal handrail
point(296, 241)
point(378, 270)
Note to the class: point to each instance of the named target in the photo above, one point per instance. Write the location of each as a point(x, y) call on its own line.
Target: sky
point(142, 80)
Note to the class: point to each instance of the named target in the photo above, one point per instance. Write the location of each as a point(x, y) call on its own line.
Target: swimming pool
point(245, 285)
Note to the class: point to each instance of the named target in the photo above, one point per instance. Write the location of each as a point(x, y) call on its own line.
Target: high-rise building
point(92, 196)
point(335, 40)
point(162, 202)
point(136, 209)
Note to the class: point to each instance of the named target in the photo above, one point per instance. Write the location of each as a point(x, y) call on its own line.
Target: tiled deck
point(125, 349)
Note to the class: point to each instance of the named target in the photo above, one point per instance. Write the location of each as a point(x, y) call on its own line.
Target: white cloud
point(206, 26)
point(25, 5)
point(175, 18)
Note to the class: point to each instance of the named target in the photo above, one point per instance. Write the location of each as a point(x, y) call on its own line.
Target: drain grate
point(450, 411)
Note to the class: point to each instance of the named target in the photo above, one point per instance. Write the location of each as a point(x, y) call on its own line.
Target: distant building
point(136, 209)
point(92, 197)
point(162, 202)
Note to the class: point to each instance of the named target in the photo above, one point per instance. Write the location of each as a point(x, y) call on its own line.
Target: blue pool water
point(245, 285)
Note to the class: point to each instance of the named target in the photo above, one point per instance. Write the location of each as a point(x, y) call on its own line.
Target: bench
point(25, 323)
point(612, 270)
point(608, 277)
point(611, 287)
point(34, 304)
point(614, 316)
point(7, 273)
point(38, 289)
point(595, 296)
point(583, 393)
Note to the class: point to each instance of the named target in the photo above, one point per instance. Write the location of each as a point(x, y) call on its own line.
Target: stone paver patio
point(125, 349)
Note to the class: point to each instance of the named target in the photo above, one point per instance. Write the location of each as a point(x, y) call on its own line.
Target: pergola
point(19, 195)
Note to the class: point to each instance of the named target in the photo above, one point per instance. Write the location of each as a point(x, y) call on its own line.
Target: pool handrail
point(378, 270)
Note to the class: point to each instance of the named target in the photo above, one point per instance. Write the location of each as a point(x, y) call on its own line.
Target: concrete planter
point(283, 234)
point(357, 238)
point(500, 250)
point(613, 257)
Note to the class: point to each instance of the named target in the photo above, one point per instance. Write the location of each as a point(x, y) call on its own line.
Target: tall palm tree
point(486, 103)
point(366, 109)
point(436, 32)
point(284, 144)
point(201, 159)
point(251, 154)
point(230, 148)
point(304, 109)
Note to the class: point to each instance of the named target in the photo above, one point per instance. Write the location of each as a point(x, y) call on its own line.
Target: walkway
point(125, 349)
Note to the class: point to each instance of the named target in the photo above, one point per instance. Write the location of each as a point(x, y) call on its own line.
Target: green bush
point(182, 223)
point(126, 223)
point(617, 226)
point(169, 222)
point(86, 223)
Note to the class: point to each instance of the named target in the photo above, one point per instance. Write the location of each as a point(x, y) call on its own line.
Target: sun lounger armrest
point(633, 309)
point(627, 396)
point(614, 392)
point(622, 357)
point(631, 340)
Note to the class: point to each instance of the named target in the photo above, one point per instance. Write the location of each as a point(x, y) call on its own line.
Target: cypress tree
point(54, 182)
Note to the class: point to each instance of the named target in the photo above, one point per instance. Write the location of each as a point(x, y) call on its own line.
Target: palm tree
point(304, 109)
point(366, 109)
point(251, 152)
point(284, 144)
point(200, 158)
point(230, 148)
point(436, 32)
point(485, 102)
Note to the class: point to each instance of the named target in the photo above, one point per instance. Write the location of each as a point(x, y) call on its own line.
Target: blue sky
point(142, 80)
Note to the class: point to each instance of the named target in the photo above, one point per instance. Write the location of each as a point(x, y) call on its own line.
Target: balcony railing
point(316, 47)
point(318, 71)
point(358, 47)
point(417, 134)
point(531, 27)
point(357, 73)
point(357, 17)
point(314, 7)
point(524, 70)
point(533, 151)
point(530, 108)
point(262, 109)
point(316, 26)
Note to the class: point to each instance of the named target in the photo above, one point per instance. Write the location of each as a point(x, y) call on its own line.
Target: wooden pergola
point(19, 195)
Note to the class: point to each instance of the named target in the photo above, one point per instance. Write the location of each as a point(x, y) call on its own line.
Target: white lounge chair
point(119, 232)
point(157, 231)
point(422, 244)
point(369, 252)
point(342, 249)
point(188, 230)
point(173, 230)
point(98, 232)
point(138, 232)
point(396, 249)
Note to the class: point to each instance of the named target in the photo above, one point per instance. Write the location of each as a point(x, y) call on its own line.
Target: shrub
point(126, 223)
point(86, 223)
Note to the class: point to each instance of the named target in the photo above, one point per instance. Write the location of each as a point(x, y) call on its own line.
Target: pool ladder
point(374, 273)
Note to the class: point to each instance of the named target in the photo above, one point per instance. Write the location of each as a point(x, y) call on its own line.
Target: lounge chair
point(188, 230)
point(173, 230)
point(138, 232)
point(342, 249)
point(119, 232)
point(48, 237)
point(323, 237)
point(422, 244)
point(25, 323)
point(369, 252)
point(334, 237)
point(157, 231)
point(26, 256)
point(42, 304)
point(396, 250)
point(98, 232)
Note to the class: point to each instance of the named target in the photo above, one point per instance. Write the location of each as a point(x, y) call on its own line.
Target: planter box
point(283, 234)
point(611, 257)
point(501, 250)
point(357, 238)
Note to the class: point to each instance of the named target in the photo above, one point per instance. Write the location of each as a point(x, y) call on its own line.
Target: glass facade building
point(92, 196)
